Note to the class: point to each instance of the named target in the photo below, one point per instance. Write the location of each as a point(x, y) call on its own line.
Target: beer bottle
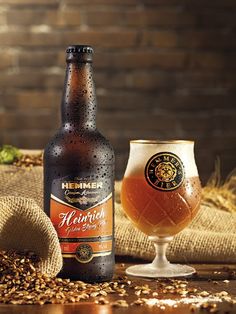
point(79, 178)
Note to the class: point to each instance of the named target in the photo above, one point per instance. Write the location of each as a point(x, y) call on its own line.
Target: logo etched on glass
point(164, 171)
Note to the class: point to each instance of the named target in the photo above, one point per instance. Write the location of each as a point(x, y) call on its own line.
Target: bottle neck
point(78, 106)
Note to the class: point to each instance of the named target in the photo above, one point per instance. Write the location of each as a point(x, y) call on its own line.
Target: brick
point(227, 165)
point(194, 103)
point(44, 39)
point(193, 3)
point(205, 163)
point(30, 2)
point(105, 17)
point(52, 17)
point(216, 141)
point(121, 143)
point(110, 79)
point(71, 17)
point(125, 101)
point(194, 126)
point(33, 99)
point(219, 126)
point(53, 80)
point(2, 17)
point(27, 58)
point(61, 58)
point(2, 116)
point(206, 80)
point(7, 59)
point(212, 60)
point(229, 59)
point(27, 39)
point(149, 81)
point(31, 79)
point(137, 122)
point(25, 17)
point(140, 17)
point(121, 162)
point(217, 18)
point(101, 2)
point(220, 39)
point(159, 39)
point(65, 17)
point(23, 79)
point(12, 37)
point(105, 39)
point(159, 17)
point(26, 120)
point(36, 139)
point(206, 60)
point(144, 100)
point(141, 59)
point(225, 124)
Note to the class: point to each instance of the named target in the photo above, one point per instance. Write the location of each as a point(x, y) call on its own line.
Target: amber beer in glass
point(79, 177)
point(161, 194)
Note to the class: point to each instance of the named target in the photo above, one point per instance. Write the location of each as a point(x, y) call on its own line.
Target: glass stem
point(161, 244)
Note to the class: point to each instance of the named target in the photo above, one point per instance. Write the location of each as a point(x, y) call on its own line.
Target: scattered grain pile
point(28, 161)
point(22, 283)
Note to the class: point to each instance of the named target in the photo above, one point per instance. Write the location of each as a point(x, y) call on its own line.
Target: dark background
point(163, 69)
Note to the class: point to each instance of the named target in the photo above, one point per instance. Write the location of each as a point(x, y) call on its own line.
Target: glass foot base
point(168, 271)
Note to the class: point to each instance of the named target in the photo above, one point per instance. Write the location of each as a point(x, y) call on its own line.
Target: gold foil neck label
point(164, 171)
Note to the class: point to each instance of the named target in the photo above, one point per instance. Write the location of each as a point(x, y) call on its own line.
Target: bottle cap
point(79, 53)
point(79, 49)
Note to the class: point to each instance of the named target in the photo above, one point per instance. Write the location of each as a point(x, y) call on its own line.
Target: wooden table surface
point(209, 278)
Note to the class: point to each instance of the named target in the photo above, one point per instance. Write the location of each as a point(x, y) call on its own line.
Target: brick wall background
point(163, 69)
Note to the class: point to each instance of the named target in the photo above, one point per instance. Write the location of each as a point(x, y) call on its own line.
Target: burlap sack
point(24, 226)
point(211, 237)
point(16, 181)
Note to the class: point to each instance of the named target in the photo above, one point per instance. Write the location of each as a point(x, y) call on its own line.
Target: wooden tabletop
point(211, 278)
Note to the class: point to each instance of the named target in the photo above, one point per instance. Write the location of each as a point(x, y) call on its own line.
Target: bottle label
point(81, 210)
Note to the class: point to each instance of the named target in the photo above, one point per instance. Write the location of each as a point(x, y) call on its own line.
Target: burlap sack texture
point(24, 226)
point(211, 237)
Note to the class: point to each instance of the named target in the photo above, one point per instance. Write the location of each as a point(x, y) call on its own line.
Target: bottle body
point(79, 189)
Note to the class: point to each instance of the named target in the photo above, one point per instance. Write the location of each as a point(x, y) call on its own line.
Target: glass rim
point(161, 142)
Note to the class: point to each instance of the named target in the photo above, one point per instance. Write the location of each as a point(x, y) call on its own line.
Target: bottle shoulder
point(82, 145)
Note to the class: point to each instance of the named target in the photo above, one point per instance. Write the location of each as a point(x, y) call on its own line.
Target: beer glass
point(161, 194)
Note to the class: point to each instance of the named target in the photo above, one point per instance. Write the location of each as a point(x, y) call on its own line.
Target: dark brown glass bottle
point(79, 178)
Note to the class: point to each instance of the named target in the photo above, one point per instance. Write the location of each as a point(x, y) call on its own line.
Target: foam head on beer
point(139, 155)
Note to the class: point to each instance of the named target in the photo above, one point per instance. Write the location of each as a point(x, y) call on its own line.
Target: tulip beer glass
point(161, 194)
